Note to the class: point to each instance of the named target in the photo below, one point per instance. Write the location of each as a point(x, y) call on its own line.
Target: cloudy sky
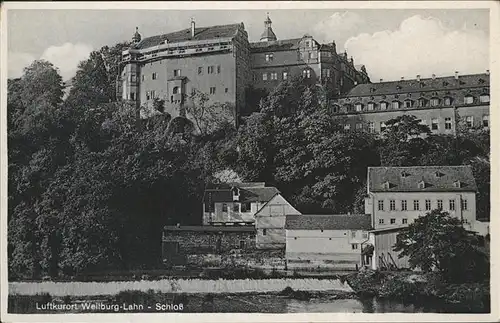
point(390, 43)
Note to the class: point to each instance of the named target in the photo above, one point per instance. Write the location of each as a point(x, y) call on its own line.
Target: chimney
point(433, 76)
point(402, 78)
point(418, 77)
point(487, 72)
point(381, 80)
point(456, 75)
point(192, 27)
point(178, 225)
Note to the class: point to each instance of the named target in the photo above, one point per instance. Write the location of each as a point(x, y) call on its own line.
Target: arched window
point(175, 90)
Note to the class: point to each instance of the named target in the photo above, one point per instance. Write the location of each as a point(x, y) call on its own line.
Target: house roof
point(427, 84)
point(382, 230)
point(277, 45)
point(434, 178)
point(207, 228)
point(328, 222)
point(201, 33)
point(249, 192)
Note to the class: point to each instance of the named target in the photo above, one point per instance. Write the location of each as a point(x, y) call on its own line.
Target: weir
point(177, 286)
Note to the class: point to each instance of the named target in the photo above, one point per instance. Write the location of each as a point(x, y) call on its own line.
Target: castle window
point(404, 205)
point(371, 106)
point(485, 98)
point(212, 90)
point(371, 127)
point(392, 205)
point(132, 96)
point(383, 106)
point(469, 99)
point(347, 126)
point(427, 205)
point(285, 75)
point(416, 205)
point(469, 121)
point(306, 73)
point(226, 90)
point(434, 102)
point(177, 73)
point(154, 76)
point(395, 104)
point(434, 124)
point(359, 107)
point(452, 205)
point(486, 121)
point(309, 55)
point(148, 95)
point(380, 205)
point(447, 123)
point(274, 76)
point(447, 101)
point(264, 76)
point(393, 221)
point(354, 246)
point(264, 232)
point(210, 70)
point(200, 70)
point(380, 221)
point(142, 77)
point(218, 69)
point(440, 204)
point(175, 90)
point(464, 204)
point(269, 57)
point(359, 126)
point(224, 207)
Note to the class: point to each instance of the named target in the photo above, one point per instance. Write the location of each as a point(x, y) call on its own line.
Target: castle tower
point(268, 34)
point(137, 37)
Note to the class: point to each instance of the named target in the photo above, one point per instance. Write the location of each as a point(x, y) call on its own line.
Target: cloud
point(65, 57)
point(420, 46)
point(335, 25)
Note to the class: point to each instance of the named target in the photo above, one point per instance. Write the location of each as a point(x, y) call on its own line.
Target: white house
point(396, 196)
point(315, 242)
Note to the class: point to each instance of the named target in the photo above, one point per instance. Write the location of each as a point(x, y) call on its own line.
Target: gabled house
point(235, 203)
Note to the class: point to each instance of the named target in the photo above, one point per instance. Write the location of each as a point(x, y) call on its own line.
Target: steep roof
point(328, 222)
point(277, 45)
point(435, 179)
point(249, 192)
point(201, 33)
point(427, 84)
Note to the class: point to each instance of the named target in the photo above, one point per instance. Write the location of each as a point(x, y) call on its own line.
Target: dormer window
point(359, 107)
point(405, 174)
point(457, 184)
point(422, 184)
point(434, 102)
point(484, 98)
point(371, 106)
point(386, 185)
point(438, 174)
point(236, 193)
point(468, 99)
point(447, 101)
point(422, 102)
point(395, 104)
point(383, 105)
point(408, 103)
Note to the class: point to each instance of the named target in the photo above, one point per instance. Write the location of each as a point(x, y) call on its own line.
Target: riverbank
point(411, 286)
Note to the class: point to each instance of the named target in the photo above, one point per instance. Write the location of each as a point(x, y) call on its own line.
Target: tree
point(439, 242)
point(206, 116)
point(112, 57)
point(403, 141)
point(90, 86)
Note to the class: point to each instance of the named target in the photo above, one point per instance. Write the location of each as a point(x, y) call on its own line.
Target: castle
point(220, 62)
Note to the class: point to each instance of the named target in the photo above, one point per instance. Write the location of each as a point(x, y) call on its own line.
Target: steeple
point(268, 34)
point(137, 37)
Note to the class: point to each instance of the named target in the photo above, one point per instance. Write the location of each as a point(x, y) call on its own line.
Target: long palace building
point(220, 62)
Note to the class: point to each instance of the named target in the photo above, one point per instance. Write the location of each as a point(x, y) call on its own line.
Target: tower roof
point(137, 37)
point(268, 34)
